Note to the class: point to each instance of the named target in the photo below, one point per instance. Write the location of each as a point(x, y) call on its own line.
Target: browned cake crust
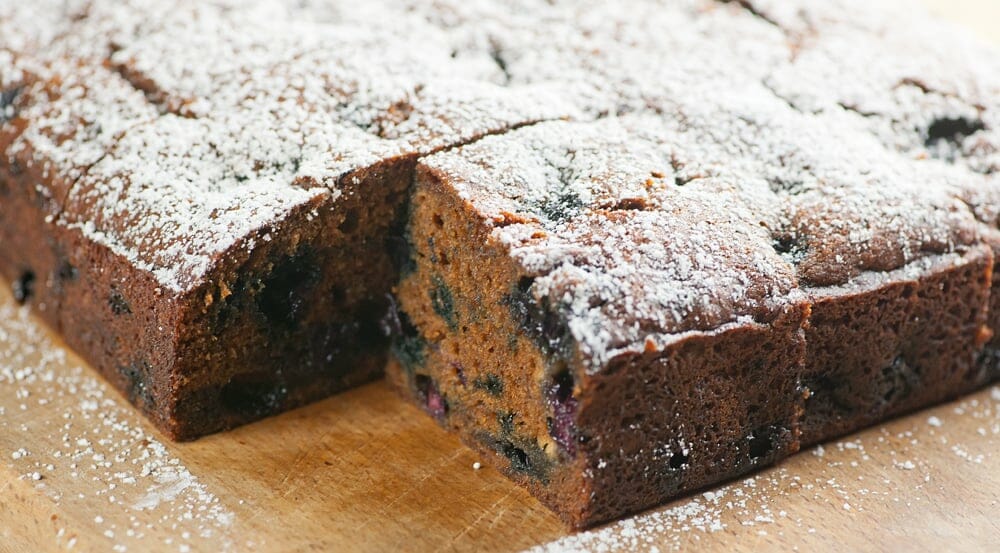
point(877, 215)
point(219, 240)
point(591, 439)
point(279, 320)
point(894, 266)
point(879, 350)
point(932, 98)
point(584, 336)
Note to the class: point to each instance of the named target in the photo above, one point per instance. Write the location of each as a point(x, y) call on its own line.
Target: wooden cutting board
point(80, 470)
point(363, 471)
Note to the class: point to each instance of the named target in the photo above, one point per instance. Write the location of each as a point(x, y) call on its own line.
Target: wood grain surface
point(80, 470)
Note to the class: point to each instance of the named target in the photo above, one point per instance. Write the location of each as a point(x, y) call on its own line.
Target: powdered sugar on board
point(65, 434)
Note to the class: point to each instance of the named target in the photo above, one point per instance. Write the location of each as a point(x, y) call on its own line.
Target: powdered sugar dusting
point(211, 120)
point(929, 97)
point(216, 196)
point(620, 225)
point(593, 212)
point(205, 122)
point(290, 94)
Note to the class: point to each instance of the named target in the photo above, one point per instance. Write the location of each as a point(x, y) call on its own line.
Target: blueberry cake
point(624, 254)
point(597, 336)
point(583, 311)
point(932, 97)
point(885, 241)
point(893, 265)
point(218, 239)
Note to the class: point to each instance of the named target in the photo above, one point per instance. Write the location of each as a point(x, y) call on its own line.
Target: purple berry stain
point(434, 402)
point(460, 372)
point(562, 423)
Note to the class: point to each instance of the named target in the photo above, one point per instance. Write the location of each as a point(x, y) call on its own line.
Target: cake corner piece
point(605, 344)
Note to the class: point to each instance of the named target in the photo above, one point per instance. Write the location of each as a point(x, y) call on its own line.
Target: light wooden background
point(80, 470)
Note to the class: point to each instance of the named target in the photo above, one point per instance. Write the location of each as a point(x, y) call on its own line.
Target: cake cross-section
point(618, 311)
point(607, 337)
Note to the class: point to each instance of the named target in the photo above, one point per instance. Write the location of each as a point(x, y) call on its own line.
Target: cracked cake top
point(209, 121)
point(640, 229)
point(199, 123)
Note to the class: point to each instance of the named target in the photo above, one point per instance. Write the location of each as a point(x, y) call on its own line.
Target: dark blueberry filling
point(897, 381)
point(563, 406)
point(24, 287)
point(14, 167)
point(63, 274)
point(7, 98)
point(506, 420)
point(988, 365)
point(952, 130)
point(137, 383)
point(678, 460)
point(559, 208)
point(760, 445)
point(524, 455)
point(118, 304)
point(411, 351)
point(519, 460)
point(763, 441)
point(545, 326)
point(285, 293)
point(787, 186)
point(431, 250)
point(830, 392)
point(791, 246)
point(408, 345)
point(67, 272)
point(443, 302)
point(512, 341)
point(490, 383)
point(459, 372)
